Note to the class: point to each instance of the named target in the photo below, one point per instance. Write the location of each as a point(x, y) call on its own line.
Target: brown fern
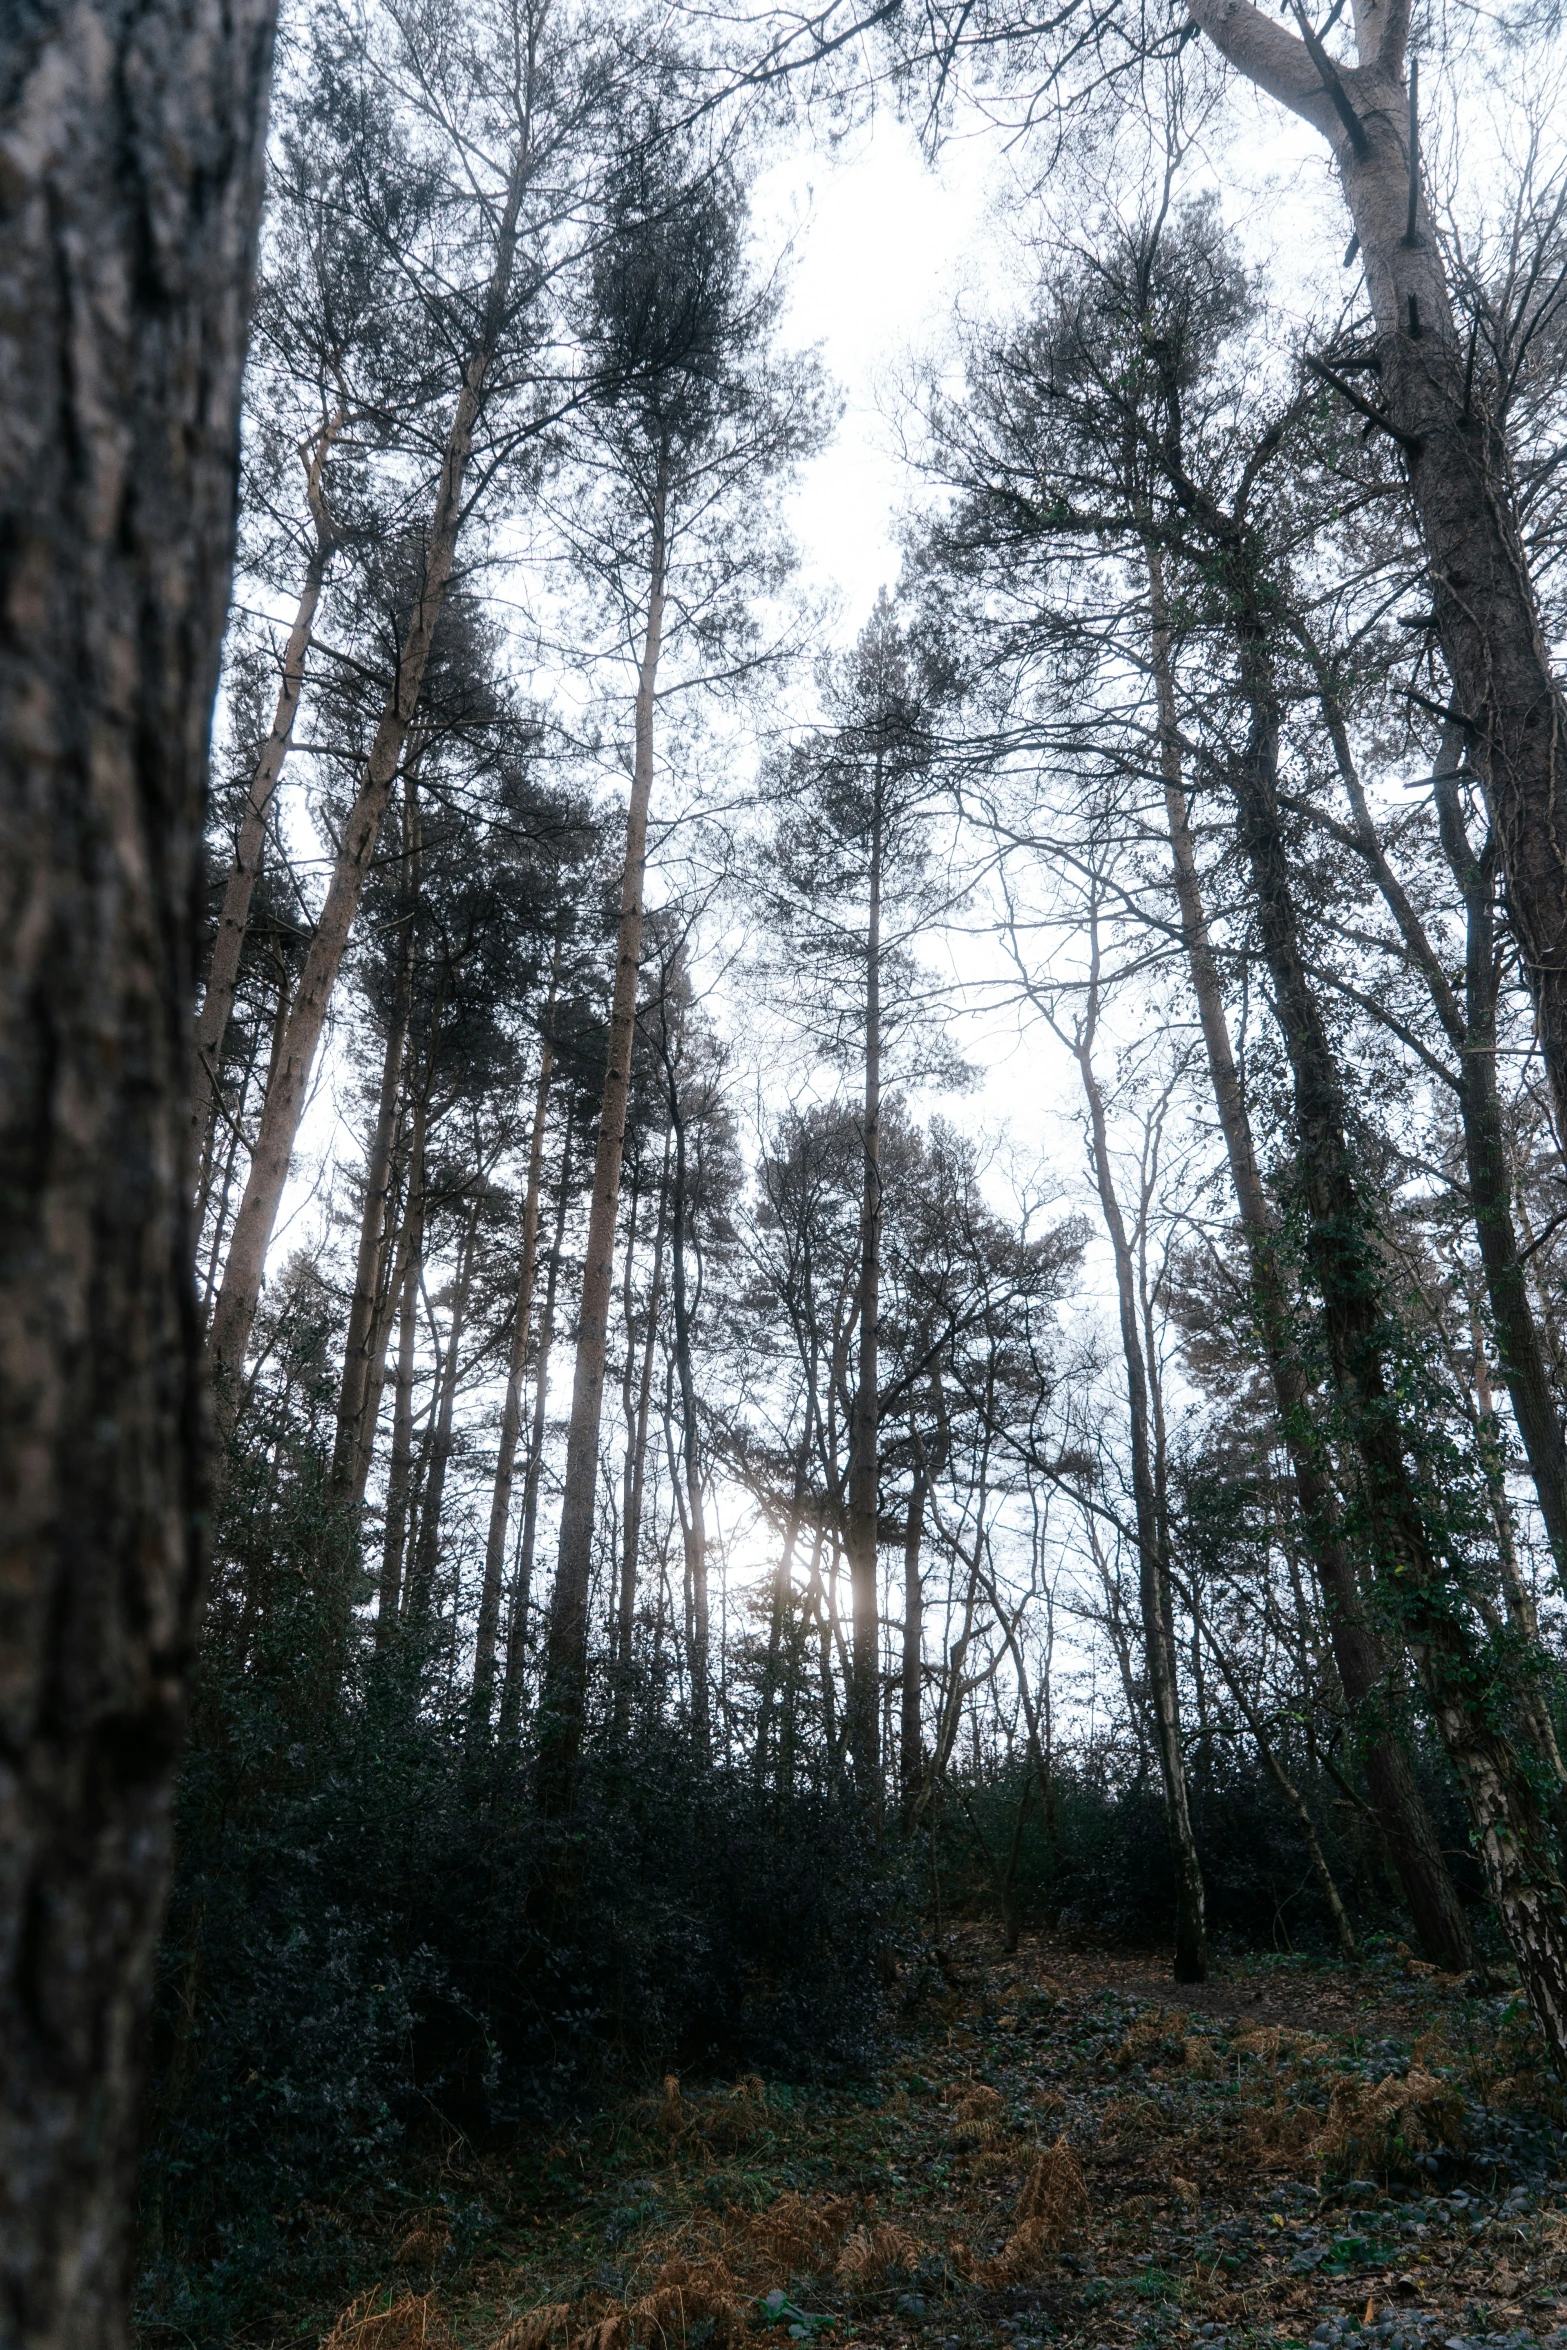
point(408, 2323)
point(1382, 2126)
point(427, 2237)
point(792, 2234)
point(536, 2328)
point(977, 2117)
point(1054, 2201)
point(871, 2251)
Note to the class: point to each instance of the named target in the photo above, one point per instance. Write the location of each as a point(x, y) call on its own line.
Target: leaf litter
point(1061, 2149)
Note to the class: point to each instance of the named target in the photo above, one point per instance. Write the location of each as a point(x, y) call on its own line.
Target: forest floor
point(1061, 2149)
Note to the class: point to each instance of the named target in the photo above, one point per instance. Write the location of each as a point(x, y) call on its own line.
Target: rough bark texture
point(566, 1654)
point(130, 161)
point(1460, 471)
point(1357, 1653)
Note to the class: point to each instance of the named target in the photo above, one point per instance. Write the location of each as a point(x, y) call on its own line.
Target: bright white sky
point(883, 245)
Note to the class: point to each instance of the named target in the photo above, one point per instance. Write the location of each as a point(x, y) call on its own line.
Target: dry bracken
point(536, 2329)
point(1383, 2125)
point(1053, 2202)
point(674, 2116)
point(1152, 2036)
point(871, 2251)
point(374, 2323)
point(977, 2117)
point(1273, 2041)
point(423, 2242)
point(1200, 2057)
point(793, 2234)
point(737, 2118)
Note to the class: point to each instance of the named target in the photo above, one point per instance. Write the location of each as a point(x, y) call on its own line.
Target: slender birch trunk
point(217, 1003)
point(427, 1556)
point(782, 1581)
point(522, 1580)
point(386, 1314)
point(911, 1679)
point(511, 1411)
point(777, 1616)
point(224, 1176)
point(236, 1307)
point(1517, 1599)
point(863, 1724)
point(1400, 1809)
point(399, 1475)
point(361, 1355)
point(1191, 1944)
point(630, 1360)
point(688, 1467)
point(566, 1650)
point(636, 1459)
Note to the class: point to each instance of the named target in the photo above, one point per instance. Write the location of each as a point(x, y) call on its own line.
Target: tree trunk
point(1460, 1679)
point(427, 1556)
point(1191, 1944)
point(1235, 1682)
point(1520, 1351)
point(778, 1615)
point(522, 1581)
point(863, 1723)
point(217, 1004)
point(693, 1525)
point(782, 1581)
point(1401, 1813)
point(1535, 1674)
point(286, 1096)
point(361, 1355)
point(910, 1744)
point(400, 1468)
point(1459, 467)
point(1470, 1028)
point(566, 1652)
point(636, 1459)
point(511, 1410)
point(225, 1177)
point(129, 194)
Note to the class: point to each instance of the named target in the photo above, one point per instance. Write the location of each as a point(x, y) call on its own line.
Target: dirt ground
point(1060, 2148)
